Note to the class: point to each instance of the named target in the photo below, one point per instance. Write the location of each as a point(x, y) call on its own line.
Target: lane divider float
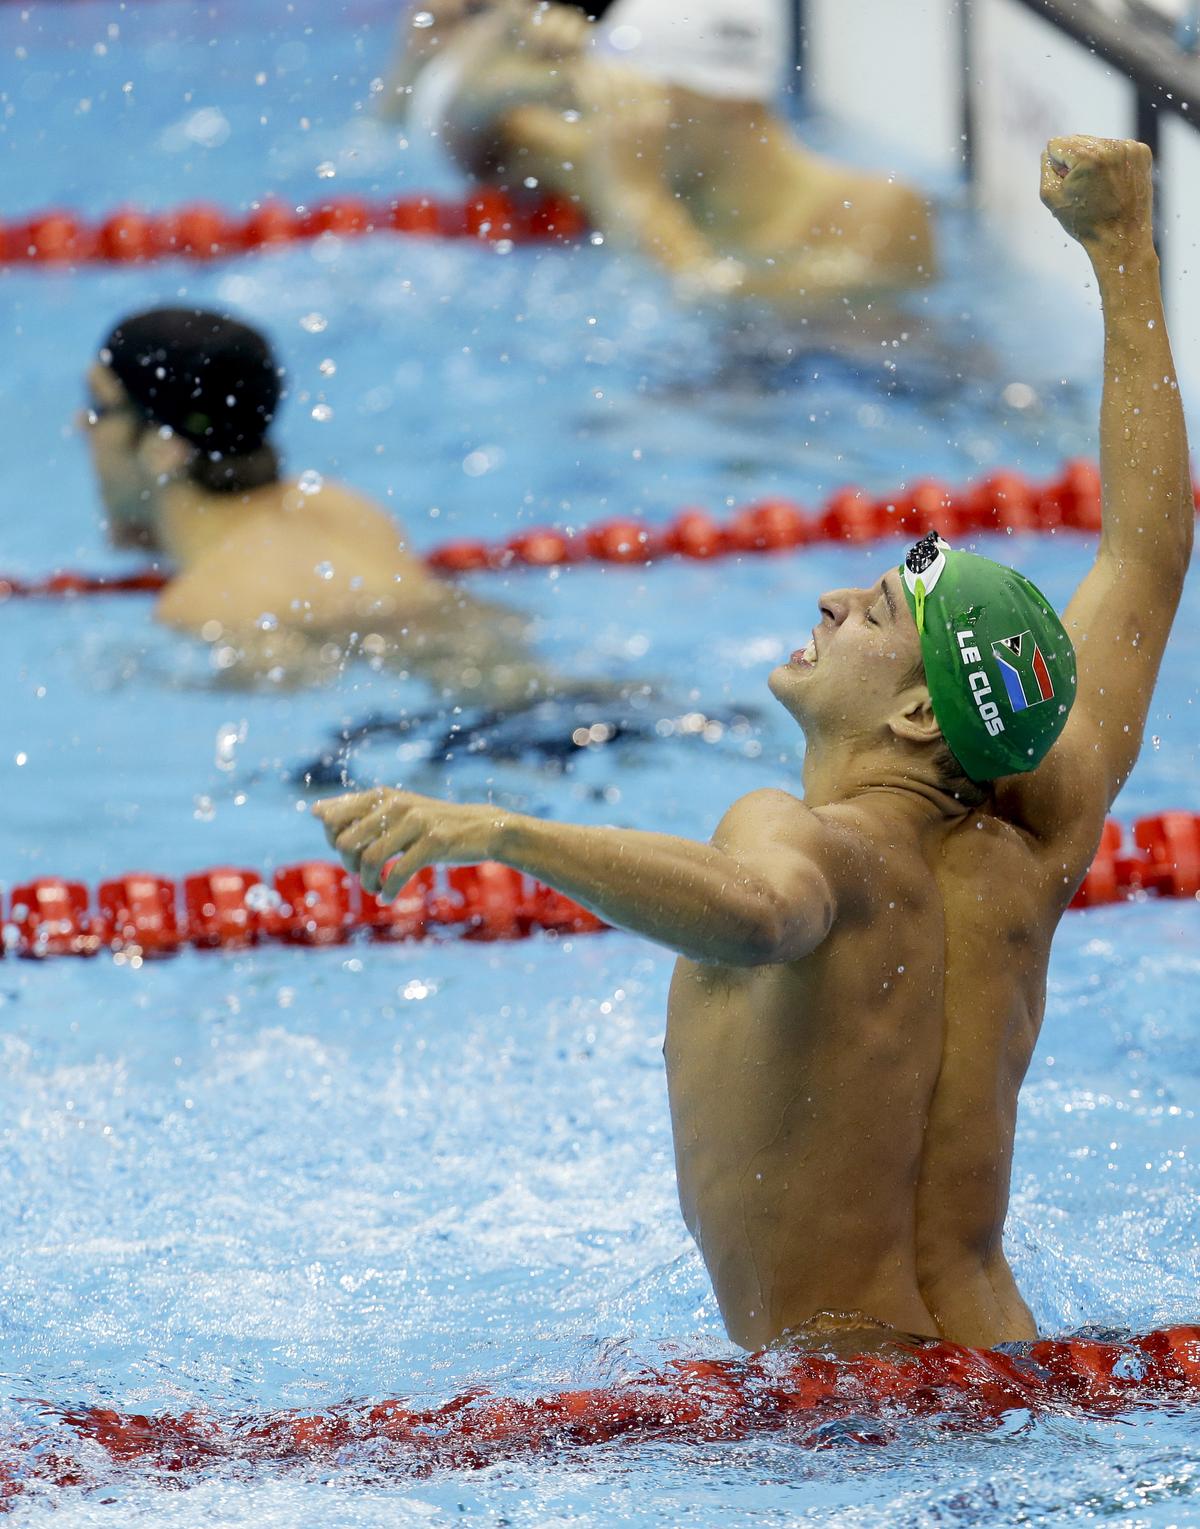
point(811, 1400)
point(200, 231)
point(1004, 503)
point(1162, 861)
point(316, 902)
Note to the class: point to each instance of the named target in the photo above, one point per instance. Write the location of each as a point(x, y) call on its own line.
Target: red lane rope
point(64, 585)
point(315, 902)
point(1004, 502)
point(812, 1399)
point(203, 232)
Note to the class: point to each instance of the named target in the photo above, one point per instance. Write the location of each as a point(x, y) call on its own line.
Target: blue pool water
point(285, 1178)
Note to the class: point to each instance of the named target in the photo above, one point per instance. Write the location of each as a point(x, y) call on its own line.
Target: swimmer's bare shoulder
point(294, 551)
point(792, 843)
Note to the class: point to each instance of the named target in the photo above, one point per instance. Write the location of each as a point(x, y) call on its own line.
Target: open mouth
point(805, 658)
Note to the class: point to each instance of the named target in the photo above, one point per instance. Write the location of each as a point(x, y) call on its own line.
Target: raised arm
point(512, 56)
point(625, 179)
point(702, 900)
point(1100, 190)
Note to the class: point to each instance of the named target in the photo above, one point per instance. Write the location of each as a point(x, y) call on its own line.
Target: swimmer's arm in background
point(625, 176)
point(442, 23)
point(510, 58)
point(1120, 617)
point(630, 198)
point(545, 132)
point(756, 895)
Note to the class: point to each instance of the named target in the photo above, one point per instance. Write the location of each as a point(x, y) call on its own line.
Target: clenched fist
point(1099, 189)
point(369, 829)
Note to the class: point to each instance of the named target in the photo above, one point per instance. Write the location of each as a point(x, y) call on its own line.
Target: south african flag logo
point(1023, 670)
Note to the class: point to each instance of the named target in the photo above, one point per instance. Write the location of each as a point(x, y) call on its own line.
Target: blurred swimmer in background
point(285, 578)
point(659, 121)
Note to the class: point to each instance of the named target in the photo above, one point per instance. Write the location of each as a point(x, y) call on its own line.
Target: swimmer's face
point(113, 428)
point(848, 679)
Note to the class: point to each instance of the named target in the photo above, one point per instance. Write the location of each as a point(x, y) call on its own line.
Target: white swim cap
point(737, 50)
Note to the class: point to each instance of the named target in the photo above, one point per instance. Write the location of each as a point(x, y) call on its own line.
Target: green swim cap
point(999, 664)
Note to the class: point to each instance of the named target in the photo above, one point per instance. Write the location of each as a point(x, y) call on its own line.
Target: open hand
point(369, 829)
point(1098, 188)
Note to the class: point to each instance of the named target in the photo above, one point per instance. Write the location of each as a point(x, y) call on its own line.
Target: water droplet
point(326, 170)
point(204, 811)
point(423, 19)
point(327, 367)
point(321, 412)
point(1019, 395)
point(324, 570)
point(1156, 741)
point(310, 482)
point(229, 736)
point(314, 323)
point(261, 898)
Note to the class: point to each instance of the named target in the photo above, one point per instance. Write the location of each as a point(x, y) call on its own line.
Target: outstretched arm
point(1100, 190)
point(702, 900)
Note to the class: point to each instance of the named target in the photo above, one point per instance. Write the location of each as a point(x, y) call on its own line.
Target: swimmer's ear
point(913, 720)
point(162, 453)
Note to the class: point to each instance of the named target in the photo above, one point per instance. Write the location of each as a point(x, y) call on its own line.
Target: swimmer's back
point(837, 1171)
point(320, 560)
point(1004, 889)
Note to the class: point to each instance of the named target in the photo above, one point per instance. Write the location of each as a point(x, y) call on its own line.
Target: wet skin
point(290, 582)
point(863, 971)
point(719, 192)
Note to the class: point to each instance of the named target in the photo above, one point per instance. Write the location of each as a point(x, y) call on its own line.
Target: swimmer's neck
point(192, 521)
point(837, 772)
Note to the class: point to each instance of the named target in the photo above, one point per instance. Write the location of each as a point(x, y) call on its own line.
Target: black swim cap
point(212, 380)
point(593, 9)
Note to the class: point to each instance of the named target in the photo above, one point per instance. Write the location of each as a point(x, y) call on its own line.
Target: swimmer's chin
point(785, 683)
point(797, 668)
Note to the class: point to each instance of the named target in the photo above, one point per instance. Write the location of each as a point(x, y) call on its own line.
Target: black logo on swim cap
point(924, 554)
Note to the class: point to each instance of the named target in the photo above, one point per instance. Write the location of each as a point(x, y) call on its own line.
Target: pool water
point(235, 1183)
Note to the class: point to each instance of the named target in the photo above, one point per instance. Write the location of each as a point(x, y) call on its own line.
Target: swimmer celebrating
point(862, 973)
point(284, 578)
point(658, 120)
